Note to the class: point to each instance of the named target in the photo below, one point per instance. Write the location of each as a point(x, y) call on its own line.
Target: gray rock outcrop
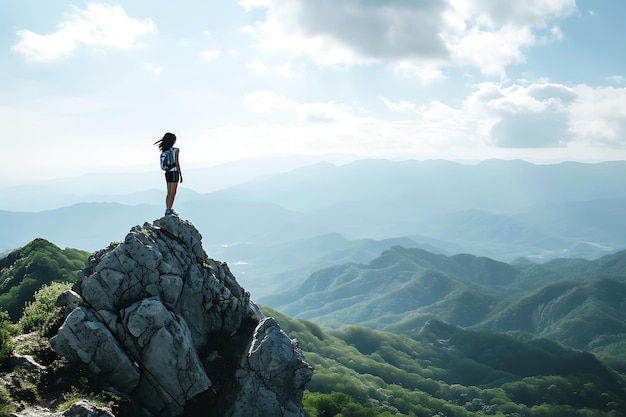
point(160, 321)
point(79, 409)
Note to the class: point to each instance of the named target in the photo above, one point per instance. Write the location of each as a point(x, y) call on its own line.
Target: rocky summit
point(157, 319)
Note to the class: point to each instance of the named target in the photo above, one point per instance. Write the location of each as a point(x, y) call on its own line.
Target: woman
point(170, 163)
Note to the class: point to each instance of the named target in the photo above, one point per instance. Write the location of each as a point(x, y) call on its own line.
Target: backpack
point(168, 161)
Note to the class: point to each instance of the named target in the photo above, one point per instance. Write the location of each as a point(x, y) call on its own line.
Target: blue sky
point(89, 86)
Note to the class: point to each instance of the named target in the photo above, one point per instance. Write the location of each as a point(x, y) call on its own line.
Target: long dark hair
point(166, 142)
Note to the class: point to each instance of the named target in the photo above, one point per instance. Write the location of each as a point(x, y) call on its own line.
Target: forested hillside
point(443, 370)
point(573, 301)
point(24, 270)
point(426, 366)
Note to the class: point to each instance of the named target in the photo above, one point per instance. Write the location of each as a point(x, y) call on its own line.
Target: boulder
point(159, 320)
point(85, 409)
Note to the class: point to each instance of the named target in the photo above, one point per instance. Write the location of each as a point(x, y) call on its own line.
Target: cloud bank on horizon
point(89, 86)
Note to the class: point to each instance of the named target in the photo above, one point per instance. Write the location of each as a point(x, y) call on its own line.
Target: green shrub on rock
point(7, 331)
point(42, 315)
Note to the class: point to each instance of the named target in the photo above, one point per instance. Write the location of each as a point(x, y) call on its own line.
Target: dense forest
point(446, 370)
point(433, 368)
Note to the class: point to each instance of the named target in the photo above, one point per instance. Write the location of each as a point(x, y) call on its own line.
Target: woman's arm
point(180, 173)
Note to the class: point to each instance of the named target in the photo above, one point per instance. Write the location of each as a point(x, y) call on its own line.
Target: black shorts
point(172, 176)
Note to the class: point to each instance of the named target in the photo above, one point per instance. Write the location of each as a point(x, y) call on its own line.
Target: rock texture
point(160, 321)
point(79, 409)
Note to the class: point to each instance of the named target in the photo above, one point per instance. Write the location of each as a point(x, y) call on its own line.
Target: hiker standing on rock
point(171, 166)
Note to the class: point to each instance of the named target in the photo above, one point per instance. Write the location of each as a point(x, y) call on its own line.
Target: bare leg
point(171, 193)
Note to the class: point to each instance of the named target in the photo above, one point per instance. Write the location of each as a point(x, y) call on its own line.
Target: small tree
point(7, 331)
point(42, 314)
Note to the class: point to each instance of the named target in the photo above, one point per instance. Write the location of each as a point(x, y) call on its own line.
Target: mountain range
point(573, 301)
point(514, 354)
point(504, 210)
point(419, 288)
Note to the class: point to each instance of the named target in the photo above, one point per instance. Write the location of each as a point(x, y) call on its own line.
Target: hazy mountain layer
point(500, 209)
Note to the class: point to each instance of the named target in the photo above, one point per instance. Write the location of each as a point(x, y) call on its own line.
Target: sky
point(90, 86)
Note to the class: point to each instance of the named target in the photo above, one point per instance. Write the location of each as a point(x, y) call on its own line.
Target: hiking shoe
point(173, 212)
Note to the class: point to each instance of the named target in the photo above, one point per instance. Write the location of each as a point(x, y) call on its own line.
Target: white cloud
point(416, 38)
point(251, 4)
point(494, 118)
point(616, 79)
point(98, 26)
point(489, 51)
point(154, 69)
point(425, 72)
point(264, 102)
point(548, 93)
point(284, 70)
point(550, 115)
point(402, 105)
point(351, 32)
point(334, 127)
point(556, 34)
point(535, 116)
point(599, 115)
point(495, 13)
point(530, 129)
point(489, 35)
point(256, 66)
point(210, 55)
point(324, 112)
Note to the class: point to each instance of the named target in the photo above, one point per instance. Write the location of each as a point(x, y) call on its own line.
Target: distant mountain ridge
point(441, 183)
point(503, 210)
point(577, 302)
point(144, 184)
